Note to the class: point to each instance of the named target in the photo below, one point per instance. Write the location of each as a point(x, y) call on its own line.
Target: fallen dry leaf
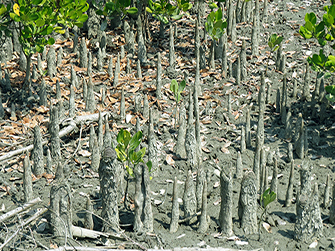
point(169, 160)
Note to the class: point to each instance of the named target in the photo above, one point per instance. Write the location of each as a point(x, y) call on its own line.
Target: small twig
point(19, 209)
point(75, 151)
point(34, 217)
point(36, 241)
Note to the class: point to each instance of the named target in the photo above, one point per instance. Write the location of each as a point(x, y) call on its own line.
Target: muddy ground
point(221, 141)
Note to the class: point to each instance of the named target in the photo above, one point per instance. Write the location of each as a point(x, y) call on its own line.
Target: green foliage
point(177, 89)
point(324, 32)
point(113, 9)
point(267, 197)
point(215, 25)
point(274, 42)
point(331, 92)
point(5, 19)
point(162, 10)
point(39, 18)
point(125, 150)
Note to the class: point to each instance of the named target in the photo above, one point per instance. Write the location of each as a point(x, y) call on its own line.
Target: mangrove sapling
point(274, 43)
point(266, 198)
point(164, 10)
point(215, 26)
point(125, 151)
point(177, 89)
point(113, 9)
point(323, 31)
point(37, 19)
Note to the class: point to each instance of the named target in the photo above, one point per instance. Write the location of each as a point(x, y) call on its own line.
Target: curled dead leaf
point(224, 150)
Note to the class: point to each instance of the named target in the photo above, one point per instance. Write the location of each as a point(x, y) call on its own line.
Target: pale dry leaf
point(215, 203)
point(216, 184)
point(157, 202)
point(217, 235)
point(169, 160)
point(84, 153)
point(233, 238)
point(313, 244)
point(267, 227)
point(224, 150)
point(206, 150)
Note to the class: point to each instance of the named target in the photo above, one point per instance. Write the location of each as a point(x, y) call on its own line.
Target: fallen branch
point(32, 218)
point(86, 233)
point(19, 209)
point(71, 125)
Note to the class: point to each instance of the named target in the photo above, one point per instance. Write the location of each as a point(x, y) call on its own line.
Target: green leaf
point(51, 41)
point(120, 153)
point(310, 17)
point(130, 171)
point(327, 75)
point(177, 17)
point(212, 5)
point(330, 89)
point(174, 86)
point(3, 9)
point(141, 153)
point(83, 18)
point(40, 22)
point(135, 141)
point(182, 86)
point(47, 30)
point(149, 165)
point(330, 97)
point(305, 33)
point(218, 14)
point(331, 61)
point(148, 10)
point(268, 196)
point(132, 11)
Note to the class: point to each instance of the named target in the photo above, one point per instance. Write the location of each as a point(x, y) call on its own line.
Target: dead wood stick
point(72, 125)
point(189, 217)
point(32, 218)
point(86, 233)
point(19, 209)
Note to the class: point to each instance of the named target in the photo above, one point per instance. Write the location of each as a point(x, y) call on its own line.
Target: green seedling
point(266, 198)
point(165, 11)
point(215, 25)
point(273, 43)
point(331, 93)
point(113, 9)
point(177, 89)
point(125, 151)
point(37, 19)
